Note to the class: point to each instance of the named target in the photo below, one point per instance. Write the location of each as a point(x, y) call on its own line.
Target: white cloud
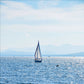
point(70, 19)
point(67, 20)
point(16, 5)
point(47, 4)
point(44, 28)
point(27, 35)
point(13, 10)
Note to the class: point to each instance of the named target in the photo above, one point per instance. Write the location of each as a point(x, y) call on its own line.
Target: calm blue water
point(19, 70)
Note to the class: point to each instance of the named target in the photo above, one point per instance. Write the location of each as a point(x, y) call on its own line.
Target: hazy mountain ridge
point(63, 50)
point(14, 53)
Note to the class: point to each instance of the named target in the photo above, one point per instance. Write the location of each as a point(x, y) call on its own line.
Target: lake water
point(23, 70)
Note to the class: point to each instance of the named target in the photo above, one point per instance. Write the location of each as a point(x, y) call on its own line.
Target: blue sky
point(52, 22)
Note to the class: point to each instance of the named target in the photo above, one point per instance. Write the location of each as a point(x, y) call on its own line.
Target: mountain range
point(48, 50)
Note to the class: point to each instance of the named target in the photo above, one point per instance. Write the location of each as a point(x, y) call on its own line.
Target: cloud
point(16, 5)
point(43, 28)
point(61, 20)
point(13, 10)
point(27, 34)
point(69, 19)
point(47, 4)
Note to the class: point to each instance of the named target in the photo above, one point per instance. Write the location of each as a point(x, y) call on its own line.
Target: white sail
point(36, 56)
point(38, 53)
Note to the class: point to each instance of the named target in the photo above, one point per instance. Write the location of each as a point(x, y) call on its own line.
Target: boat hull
point(38, 60)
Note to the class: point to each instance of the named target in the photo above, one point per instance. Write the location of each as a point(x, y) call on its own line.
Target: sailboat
point(37, 55)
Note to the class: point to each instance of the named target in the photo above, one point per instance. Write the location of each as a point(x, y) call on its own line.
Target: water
point(23, 70)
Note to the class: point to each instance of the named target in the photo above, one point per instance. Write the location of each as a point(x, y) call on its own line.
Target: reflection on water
point(18, 70)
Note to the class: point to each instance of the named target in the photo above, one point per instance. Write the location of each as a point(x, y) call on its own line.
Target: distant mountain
point(63, 50)
point(73, 54)
point(15, 53)
point(76, 54)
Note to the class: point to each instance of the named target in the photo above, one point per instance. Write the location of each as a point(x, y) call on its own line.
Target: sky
point(52, 22)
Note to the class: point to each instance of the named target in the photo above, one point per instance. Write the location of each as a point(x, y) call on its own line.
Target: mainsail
point(38, 54)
